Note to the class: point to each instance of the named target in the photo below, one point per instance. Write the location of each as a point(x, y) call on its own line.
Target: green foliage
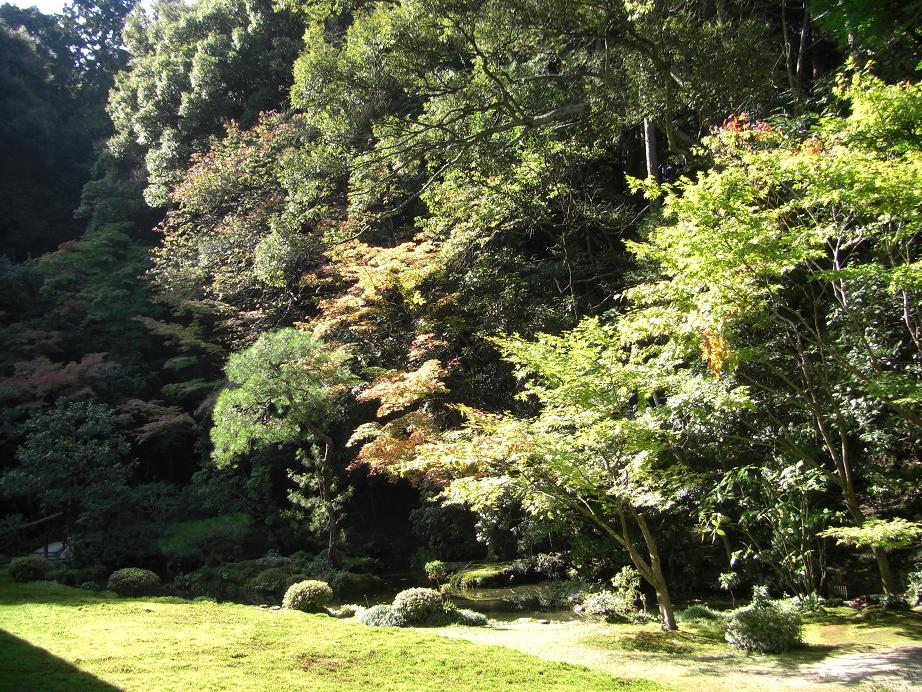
point(603, 604)
point(192, 68)
point(419, 606)
point(72, 455)
point(271, 584)
point(286, 383)
point(133, 581)
point(435, 571)
point(626, 584)
point(213, 539)
point(469, 618)
point(877, 533)
point(382, 615)
point(698, 613)
point(346, 611)
point(914, 586)
point(309, 596)
point(764, 626)
point(30, 568)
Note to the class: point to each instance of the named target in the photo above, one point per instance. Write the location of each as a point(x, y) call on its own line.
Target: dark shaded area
point(24, 667)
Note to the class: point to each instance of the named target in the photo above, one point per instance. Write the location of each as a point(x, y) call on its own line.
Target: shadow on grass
point(24, 667)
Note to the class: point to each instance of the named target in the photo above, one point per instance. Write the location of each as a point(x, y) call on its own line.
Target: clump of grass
point(698, 613)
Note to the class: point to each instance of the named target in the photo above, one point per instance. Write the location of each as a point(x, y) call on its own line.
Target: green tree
point(791, 267)
point(73, 455)
point(287, 390)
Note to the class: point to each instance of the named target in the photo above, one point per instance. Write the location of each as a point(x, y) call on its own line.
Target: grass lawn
point(57, 638)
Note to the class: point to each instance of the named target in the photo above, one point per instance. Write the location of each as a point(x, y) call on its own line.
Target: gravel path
point(898, 669)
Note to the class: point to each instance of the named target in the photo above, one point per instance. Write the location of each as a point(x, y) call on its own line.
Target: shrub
point(764, 626)
point(697, 612)
point(75, 576)
point(627, 589)
point(419, 606)
point(30, 568)
point(550, 565)
point(561, 594)
point(914, 586)
point(470, 618)
point(436, 571)
point(808, 605)
point(272, 583)
point(309, 596)
point(603, 603)
point(133, 581)
point(381, 616)
point(347, 611)
point(90, 586)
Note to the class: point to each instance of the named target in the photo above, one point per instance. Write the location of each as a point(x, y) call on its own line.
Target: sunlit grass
point(63, 638)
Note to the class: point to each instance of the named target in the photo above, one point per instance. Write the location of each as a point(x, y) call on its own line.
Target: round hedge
point(30, 568)
point(381, 616)
point(133, 581)
point(766, 628)
point(309, 596)
point(418, 606)
point(470, 618)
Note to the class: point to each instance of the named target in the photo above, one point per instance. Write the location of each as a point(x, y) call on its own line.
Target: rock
point(544, 622)
point(276, 608)
point(523, 621)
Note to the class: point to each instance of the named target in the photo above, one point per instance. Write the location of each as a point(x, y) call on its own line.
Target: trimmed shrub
point(470, 618)
point(133, 581)
point(345, 612)
point(697, 612)
point(381, 616)
point(309, 596)
point(765, 627)
point(30, 568)
point(419, 606)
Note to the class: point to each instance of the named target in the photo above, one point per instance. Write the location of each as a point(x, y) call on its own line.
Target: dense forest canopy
point(619, 282)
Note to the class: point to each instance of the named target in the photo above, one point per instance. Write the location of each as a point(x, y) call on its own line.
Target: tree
point(73, 455)
point(791, 267)
point(286, 390)
point(191, 69)
point(603, 446)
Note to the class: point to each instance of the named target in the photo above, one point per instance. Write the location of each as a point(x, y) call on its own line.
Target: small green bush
point(309, 596)
point(602, 603)
point(133, 581)
point(346, 611)
point(697, 612)
point(436, 571)
point(419, 606)
point(90, 586)
point(469, 618)
point(914, 586)
point(765, 627)
point(381, 616)
point(30, 568)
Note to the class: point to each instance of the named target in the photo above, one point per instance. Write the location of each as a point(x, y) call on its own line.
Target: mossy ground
point(58, 638)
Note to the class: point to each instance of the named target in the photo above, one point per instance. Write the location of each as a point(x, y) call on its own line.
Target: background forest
point(571, 284)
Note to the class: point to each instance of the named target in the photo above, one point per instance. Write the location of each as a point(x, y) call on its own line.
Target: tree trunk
point(663, 599)
point(649, 148)
point(886, 573)
point(802, 49)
